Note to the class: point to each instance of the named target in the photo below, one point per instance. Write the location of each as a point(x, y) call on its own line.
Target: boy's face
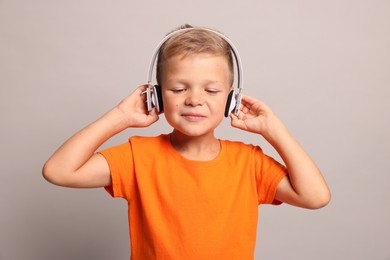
point(195, 90)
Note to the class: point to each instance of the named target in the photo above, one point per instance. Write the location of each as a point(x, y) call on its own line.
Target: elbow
point(47, 173)
point(52, 175)
point(320, 200)
point(57, 175)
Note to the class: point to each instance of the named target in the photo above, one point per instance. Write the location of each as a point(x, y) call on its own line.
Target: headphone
point(154, 96)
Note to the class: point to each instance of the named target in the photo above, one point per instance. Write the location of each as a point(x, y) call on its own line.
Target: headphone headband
point(232, 47)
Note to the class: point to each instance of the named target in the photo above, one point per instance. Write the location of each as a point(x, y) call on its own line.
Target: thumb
point(236, 122)
point(153, 116)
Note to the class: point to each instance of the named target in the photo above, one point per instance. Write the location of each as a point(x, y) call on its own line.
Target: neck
point(199, 148)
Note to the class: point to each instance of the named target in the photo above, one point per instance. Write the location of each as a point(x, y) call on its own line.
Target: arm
point(75, 163)
point(304, 186)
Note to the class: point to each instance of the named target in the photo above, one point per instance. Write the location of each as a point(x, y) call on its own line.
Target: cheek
point(170, 105)
point(220, 104)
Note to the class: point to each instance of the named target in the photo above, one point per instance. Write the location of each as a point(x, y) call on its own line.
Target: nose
point(194, 98)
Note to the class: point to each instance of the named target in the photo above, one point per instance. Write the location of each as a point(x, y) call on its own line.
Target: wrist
point(276, 133)
point(115, 120)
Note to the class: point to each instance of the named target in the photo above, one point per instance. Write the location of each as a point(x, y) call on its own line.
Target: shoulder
point(149, 144)
point(136, 142)
point(239, 149)
point(239, 146)
point(162, 139)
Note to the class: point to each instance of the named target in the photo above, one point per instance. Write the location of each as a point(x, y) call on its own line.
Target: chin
point(193, 132)
point(194, 129)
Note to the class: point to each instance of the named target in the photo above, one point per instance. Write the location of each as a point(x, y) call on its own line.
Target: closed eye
point(178, 90)
point(212, 91)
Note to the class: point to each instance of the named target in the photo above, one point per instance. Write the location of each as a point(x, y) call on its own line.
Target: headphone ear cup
point(157, 98)
point(231, 103)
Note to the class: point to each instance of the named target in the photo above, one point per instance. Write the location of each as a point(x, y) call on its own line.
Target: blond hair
point(194, 41)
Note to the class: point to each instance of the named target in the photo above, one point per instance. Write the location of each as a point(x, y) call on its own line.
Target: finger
point(153, 116)
point(248, 100)
point(254, 105)
point(237, 122)
point(141, 89)
point(154, 112)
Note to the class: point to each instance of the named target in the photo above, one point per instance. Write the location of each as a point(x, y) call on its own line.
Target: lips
point(193, 116)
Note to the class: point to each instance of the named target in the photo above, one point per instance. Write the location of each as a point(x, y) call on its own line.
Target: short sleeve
point(120, 162)
point(269, 173)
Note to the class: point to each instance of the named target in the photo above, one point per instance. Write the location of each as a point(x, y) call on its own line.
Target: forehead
point(193, 58)
point(199, 65)
point(196, 69)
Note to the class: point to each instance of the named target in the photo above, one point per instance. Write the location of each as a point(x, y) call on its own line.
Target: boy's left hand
point(304, 187)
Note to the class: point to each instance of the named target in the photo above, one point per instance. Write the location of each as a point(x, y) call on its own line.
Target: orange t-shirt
point(183, 209)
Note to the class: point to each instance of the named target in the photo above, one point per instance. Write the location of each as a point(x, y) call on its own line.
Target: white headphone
point(154, 97)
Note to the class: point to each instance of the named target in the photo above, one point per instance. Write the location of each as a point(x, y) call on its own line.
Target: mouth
point(193, 117)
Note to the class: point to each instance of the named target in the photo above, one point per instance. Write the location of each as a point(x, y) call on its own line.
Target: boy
point(191, 195)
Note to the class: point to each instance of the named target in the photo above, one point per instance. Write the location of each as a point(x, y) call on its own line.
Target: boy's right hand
point(75, 163)
point(134, 110)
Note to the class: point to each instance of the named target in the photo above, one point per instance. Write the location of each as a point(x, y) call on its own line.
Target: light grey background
point(323, 66)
